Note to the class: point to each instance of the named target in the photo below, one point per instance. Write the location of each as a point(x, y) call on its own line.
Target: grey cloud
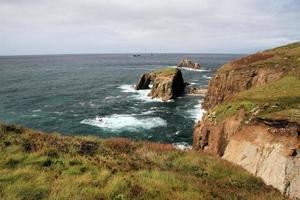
point(99, 26)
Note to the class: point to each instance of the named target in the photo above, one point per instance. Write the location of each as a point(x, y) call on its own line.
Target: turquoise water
point(70, 93)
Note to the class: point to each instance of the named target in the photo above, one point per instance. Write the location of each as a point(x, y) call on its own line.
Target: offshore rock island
point(187, 63)
point(167, 83)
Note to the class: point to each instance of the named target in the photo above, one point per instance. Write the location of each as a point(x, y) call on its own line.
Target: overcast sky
point(125, 26)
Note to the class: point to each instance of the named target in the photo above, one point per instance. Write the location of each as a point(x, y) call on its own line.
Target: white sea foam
point(182, 146)
point(120, 122)
point(177, 132)
point(92, 104)
point(127, 88)
point(111, 98)
point(149, 112)
point(38, 110)
point(207, 77)
point(197, 112)
point(58, 113)
point(138, 94)
point(195, 70)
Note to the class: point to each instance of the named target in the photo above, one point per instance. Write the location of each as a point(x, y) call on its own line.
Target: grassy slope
point(279, 100)
point(36, 165)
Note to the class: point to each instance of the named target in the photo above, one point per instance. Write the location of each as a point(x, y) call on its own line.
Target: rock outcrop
point(251, 71)
point(167, 83)
point(253, 116)
point(187, 63)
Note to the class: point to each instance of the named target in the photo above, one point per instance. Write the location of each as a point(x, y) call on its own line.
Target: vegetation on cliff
point(35, 165)
point(253, 116)
point(278, 99)
point(253, 71)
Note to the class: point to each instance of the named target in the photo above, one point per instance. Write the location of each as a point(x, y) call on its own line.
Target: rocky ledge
point(187, 63)
point(167, 83)
point(253, 116)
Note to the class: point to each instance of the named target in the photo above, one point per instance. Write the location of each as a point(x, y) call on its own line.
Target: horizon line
point(130, 53)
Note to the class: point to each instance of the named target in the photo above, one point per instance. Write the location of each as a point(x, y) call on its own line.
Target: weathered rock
point(267, 147)
point(273, 157)
point(248, 72)
point(267, 156)
point(187, 63)
point(167, 83)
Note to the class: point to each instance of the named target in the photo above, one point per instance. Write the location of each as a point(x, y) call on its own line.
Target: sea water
point(95, 95)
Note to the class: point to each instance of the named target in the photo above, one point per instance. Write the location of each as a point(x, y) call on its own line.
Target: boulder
point(187, 63)
point(167, 83)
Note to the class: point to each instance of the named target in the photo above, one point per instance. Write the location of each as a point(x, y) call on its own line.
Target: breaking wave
point(121, 122)
point(197, 112)
point(138, 94)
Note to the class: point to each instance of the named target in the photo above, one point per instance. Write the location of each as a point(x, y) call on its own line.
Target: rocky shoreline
point(252, 118)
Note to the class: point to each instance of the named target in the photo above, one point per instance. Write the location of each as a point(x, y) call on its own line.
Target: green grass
point(36, 166)
point(279, 100)
point(228, 109)
point(167, 71)
point(285, 90)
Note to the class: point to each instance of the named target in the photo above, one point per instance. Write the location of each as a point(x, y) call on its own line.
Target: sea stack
point(167, 83)
point(187, 63)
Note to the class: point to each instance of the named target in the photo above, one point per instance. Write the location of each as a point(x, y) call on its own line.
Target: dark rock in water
point(144, 81)
point(187, 63)
point(167, 83)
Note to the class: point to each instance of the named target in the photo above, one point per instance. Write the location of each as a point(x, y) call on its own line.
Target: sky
point(29, 27)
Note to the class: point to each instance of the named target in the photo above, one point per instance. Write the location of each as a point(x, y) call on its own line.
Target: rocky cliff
point(253, 116)
point(167, 83)
point(251, 71)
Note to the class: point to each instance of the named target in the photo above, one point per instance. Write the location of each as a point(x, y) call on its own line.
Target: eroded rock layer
point(253, 116)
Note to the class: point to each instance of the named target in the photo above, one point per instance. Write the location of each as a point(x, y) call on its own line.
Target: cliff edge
point(253, 116)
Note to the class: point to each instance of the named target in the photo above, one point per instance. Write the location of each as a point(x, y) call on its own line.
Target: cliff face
point(167, 83)
point(253, 116)
point(251, 71)
point(273, 157)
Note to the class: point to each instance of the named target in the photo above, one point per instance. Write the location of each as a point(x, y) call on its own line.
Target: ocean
point(70, 93)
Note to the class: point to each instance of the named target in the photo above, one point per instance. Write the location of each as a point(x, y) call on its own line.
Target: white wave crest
point(195, 70)
point(127, 88)
point(197, 112)
point(207, 77)
point(121, 122)
point(138, 94)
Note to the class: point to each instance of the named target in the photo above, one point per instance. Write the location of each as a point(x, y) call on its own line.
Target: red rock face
point(213, 137)
point(244, 74)
point(256, 145)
